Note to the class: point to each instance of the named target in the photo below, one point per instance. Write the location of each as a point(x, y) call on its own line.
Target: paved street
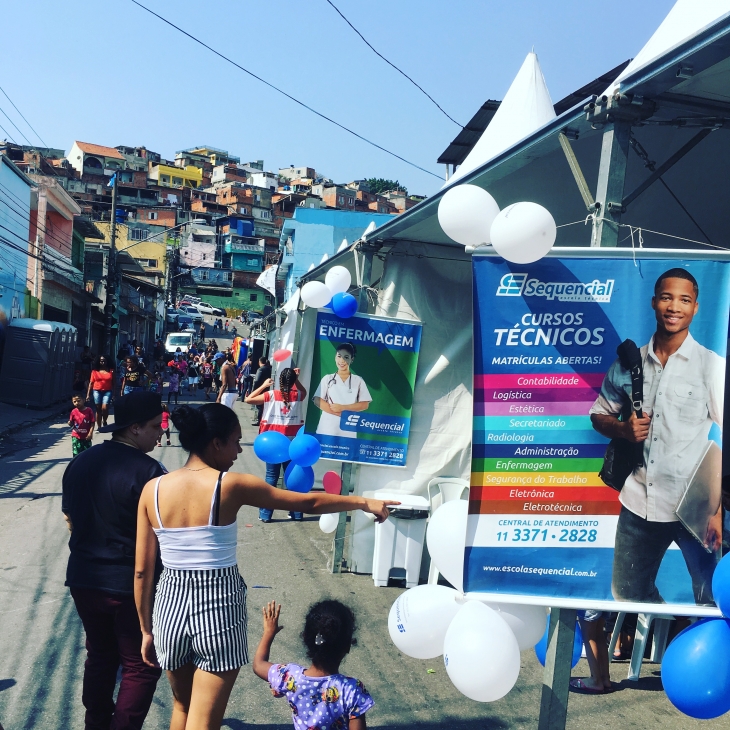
point(41, 643)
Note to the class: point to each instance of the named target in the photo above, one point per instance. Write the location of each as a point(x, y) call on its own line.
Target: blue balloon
point(271, 447)
point(541, 646)
point(299, 478)
point(721, 586)
point(344, 305)
point(695, 676)
point(304, 450)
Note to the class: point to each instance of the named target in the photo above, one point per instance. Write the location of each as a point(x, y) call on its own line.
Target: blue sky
point(107, 72)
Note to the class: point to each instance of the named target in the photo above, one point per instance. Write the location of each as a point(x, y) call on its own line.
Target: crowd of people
point(203, 371)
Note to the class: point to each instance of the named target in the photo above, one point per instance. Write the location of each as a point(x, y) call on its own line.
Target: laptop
point(701, 499)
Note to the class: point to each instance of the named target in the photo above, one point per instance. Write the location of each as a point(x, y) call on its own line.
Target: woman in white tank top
point(197, 631)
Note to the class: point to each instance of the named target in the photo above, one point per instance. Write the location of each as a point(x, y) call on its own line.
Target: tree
point(379, 185)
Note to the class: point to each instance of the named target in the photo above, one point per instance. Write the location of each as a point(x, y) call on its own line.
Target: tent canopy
point(680, 93)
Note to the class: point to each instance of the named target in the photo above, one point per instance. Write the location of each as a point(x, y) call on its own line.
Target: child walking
point(174, 385)
point(81, 421)
point(165, 425)
point(319, 696)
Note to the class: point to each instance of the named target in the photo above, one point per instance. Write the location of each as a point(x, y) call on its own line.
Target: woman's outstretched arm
point(256, 492)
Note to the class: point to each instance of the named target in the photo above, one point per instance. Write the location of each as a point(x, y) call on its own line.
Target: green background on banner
point(389, 375)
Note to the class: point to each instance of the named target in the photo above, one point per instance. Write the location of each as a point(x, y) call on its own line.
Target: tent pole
point(611, 177)
point(349, 470)
point(558, 664)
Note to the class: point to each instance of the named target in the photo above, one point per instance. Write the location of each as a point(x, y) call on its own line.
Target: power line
point(284, 93)
point(7, 134)
point(24, 119)
point(401, 72)
point(15, 125)
point(26, 219)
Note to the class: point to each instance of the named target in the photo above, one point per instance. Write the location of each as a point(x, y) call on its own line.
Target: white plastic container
point(399, 540)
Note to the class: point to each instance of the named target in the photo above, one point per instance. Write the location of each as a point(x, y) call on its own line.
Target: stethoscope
point(333, 381)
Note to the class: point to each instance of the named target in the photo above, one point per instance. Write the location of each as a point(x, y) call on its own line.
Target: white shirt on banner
point(683, 400)
point(333, 389)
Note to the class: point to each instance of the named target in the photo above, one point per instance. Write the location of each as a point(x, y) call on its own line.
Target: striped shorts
point(199, 616)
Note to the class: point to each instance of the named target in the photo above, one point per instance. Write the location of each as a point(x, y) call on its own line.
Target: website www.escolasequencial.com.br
point(540, 571)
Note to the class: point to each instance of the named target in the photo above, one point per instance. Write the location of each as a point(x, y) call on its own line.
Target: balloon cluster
point(302, 452)
point(695, 668)
point(521, 233)
point(430, 620)
point(332, 293)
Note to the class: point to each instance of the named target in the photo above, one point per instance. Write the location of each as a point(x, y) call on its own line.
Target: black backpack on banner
point(623, 456)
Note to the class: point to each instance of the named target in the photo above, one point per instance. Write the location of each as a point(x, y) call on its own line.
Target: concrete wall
point(317, 232)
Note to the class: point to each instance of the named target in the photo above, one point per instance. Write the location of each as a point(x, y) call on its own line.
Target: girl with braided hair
point(283, 412)
point(319, 696)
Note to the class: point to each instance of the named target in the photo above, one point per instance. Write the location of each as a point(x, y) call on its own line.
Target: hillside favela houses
point(204, 222)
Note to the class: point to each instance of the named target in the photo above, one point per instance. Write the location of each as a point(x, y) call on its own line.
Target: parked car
point(204, 308)
point(183, 340)
point(192, 312)
point(171, 315)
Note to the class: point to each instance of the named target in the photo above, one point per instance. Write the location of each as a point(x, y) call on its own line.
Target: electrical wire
point(401, 72)
point(43, 229)
point(7, 134)
point(23, 118)
point(15, 125)
point(284, 93)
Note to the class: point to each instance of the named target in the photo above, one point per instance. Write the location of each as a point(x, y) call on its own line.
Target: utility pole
point(111, 277)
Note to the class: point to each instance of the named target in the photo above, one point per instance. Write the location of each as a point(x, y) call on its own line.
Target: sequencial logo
point(511, 285)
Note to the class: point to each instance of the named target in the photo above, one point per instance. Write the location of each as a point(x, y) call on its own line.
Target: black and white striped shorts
point(199, 616)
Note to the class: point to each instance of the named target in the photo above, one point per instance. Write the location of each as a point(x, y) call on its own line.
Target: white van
point(183, 340)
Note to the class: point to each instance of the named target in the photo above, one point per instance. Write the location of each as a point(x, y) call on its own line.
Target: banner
point(363, 373)
point(549, 394)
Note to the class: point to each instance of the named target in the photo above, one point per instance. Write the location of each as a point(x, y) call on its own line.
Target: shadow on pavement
point(7, 684)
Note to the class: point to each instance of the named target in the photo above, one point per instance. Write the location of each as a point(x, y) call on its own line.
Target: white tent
point(526, 107)
point(686, 19)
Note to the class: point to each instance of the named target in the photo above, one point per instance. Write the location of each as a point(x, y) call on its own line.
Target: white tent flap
point(525, 108)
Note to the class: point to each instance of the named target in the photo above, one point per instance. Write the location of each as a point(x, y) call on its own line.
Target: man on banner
point(683, 396)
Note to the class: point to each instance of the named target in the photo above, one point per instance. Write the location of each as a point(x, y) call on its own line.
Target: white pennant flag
point(267, 280)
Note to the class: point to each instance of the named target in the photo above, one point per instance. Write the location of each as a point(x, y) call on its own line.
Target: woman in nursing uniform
point(341, 391)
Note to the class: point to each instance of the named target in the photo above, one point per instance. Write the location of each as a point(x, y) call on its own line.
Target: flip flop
point(580, 687)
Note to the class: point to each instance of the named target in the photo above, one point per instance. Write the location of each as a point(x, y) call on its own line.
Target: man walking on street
point(101, 489)
point(227, 392)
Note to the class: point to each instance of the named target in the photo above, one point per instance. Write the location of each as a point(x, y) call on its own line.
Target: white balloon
point(481, 654)
point(523, 233)
point(316, 294)
point(446, 537)
point(466, 213)
point(527, 622)
point(328, 523)
point(419, 618)
point(338, 279)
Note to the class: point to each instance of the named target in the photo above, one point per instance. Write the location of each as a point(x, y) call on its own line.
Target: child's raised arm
point(261, 663)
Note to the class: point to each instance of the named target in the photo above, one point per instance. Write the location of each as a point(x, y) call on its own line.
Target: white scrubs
point(333, 389)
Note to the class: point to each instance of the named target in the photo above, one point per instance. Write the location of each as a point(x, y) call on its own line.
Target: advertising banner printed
point(363, 374)
point(549, 392)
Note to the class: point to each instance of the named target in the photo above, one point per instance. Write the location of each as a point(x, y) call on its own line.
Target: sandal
point(580, 687)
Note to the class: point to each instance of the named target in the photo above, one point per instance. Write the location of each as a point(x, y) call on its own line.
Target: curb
point(9, 430)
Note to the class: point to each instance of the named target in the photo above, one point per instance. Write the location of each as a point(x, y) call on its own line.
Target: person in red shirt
point(283, 412)
point(81, 421)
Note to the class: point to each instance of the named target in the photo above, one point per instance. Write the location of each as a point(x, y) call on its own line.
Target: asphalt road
point(42, 641)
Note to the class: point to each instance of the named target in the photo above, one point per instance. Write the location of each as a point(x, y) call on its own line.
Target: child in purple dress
point(319, 697)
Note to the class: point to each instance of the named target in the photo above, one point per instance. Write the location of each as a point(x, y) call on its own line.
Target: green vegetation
point(379, 185)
